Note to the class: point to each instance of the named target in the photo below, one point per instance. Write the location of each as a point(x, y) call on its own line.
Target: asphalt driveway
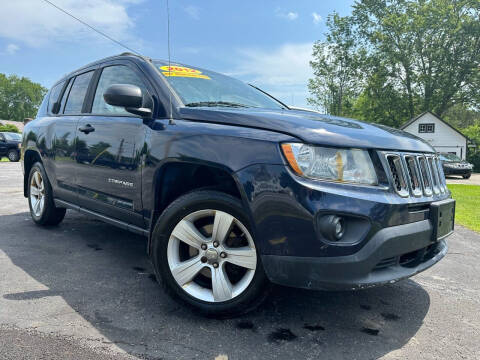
point(474, 180)
point(85, 290)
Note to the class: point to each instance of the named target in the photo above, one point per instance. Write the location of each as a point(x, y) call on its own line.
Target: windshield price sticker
point(182, 71)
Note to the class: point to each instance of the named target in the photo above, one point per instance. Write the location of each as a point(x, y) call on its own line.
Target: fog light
point(339, 229)
point(332, 227)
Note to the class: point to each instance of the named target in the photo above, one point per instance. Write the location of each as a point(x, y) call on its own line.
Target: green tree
point(473, 133)
point(19, 97)
point(473, 155)
point(461, 117)
point(336, 68)
point(420, 55)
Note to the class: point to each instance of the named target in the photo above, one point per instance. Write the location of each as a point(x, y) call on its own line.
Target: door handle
point(86, 129)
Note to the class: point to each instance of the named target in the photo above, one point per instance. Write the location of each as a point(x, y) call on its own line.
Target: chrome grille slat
point(425, 175)
point(398, 174)
point(434, 175)
point(441, 175)
point(415, 174)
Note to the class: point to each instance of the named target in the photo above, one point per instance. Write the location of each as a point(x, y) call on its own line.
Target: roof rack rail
point(128, 53)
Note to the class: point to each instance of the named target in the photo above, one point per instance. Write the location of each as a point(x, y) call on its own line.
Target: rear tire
point(467, 176)
point(13, 156)
point(221, 284)
point(40, 198)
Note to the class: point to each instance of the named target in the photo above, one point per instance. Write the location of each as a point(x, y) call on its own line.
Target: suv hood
point(313, 128)
point(455, 161)
point(459, 164)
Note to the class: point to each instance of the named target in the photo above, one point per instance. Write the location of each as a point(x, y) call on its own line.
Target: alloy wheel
point(12, 156)
point(212, 256)
point(37, 193)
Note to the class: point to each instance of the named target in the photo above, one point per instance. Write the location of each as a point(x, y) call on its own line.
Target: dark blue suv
point(234, 189)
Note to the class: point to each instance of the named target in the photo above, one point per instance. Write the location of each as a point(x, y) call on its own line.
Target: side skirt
point(104, 218)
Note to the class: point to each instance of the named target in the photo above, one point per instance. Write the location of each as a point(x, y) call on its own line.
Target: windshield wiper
point(215, 104)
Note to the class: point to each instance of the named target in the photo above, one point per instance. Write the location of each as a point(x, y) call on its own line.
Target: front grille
point(414, 174)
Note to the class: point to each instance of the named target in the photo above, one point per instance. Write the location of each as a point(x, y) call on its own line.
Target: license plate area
point(442, 215)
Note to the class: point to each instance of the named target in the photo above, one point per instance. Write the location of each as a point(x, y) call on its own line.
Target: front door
point(109, 152)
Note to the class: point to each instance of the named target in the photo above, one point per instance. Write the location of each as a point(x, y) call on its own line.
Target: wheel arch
point(30, 157)
point(166, 186)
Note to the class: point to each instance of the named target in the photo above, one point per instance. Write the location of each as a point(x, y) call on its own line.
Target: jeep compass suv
point(10, 146)
point(233, 189)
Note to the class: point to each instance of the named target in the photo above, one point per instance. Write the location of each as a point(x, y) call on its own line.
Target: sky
point(266, 43)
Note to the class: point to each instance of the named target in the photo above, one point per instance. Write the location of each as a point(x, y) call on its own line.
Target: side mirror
point(128, 96)
point(56, 107)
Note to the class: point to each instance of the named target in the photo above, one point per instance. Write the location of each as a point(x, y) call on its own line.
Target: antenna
point(169, 62)
point(91, 27)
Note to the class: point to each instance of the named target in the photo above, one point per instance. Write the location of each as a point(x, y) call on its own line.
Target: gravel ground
point(85, 290)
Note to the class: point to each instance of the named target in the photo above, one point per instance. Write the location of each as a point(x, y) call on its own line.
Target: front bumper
point(393, 254)
point(457, 171)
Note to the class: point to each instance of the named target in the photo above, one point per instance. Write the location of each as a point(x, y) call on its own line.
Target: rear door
point(109, 150)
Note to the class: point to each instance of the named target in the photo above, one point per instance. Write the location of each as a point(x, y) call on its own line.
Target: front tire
point(467, 176)
point(13, 156)
point(204, 252)
point(40, 198)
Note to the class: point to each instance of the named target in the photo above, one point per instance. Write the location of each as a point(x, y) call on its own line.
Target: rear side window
point(54, 94)
point(77, 93)
point(65, 95)
point(115, 75)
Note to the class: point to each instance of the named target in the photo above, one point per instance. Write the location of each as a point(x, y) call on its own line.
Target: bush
point(474, 158)
point(9, 128)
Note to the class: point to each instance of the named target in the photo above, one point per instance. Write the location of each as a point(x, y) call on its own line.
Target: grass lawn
point(3, 159)
point(467, 208)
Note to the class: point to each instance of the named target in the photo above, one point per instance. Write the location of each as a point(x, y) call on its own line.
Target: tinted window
point(54, 94)
point(450, 157)
point(12, 136)
point(114, 75)
point(65, 95)
point(77, 93)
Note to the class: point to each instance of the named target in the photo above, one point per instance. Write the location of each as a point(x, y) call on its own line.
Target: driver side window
point(118, 74)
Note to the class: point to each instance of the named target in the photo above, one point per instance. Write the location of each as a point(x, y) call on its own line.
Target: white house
point(442, 136)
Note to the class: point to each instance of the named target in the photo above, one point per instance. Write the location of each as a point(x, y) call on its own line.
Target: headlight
point(334, 164)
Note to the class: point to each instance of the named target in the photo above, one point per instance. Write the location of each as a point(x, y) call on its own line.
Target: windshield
point(203, 88)
point(12, 136)
point(449, 157)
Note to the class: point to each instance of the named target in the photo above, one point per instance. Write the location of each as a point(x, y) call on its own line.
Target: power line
point(169, 59)
point(91, 27)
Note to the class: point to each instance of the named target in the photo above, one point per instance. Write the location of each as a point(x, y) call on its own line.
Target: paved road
point(474, 180)
point(84, 290)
